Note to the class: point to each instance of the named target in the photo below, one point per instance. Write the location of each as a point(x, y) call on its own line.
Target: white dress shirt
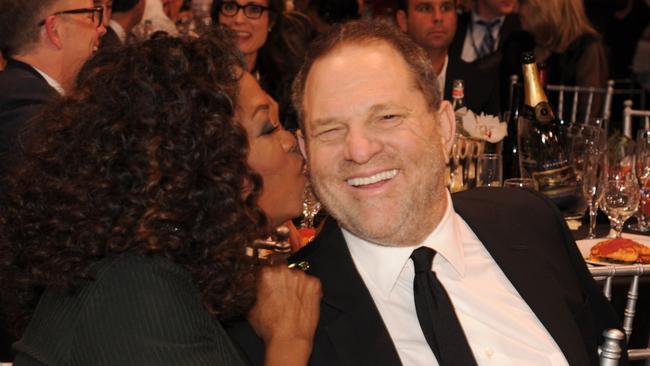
point(442, 77)
point(50, 81)
point(474, 37)
point(119, 30)
point(501, 328)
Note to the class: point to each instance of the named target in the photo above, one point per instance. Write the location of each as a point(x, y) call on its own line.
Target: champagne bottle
point(541, 153)
point(510, 145)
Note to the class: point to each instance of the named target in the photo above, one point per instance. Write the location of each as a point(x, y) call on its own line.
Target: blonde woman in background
point(565, 40)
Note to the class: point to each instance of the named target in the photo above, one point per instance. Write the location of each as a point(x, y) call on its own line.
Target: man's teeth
point(385, 175)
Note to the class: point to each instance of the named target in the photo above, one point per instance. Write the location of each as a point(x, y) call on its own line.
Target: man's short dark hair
point(404, 5)
point(367, 32)
point(19, 23)
point(122, 6)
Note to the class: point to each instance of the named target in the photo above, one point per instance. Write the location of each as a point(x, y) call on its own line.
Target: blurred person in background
point(273, 43)
point(126, 14)
point(46, 42)
point(108, 11)
point(432, 25)
point(482, 31)
point(133, 209)
point(562, 38)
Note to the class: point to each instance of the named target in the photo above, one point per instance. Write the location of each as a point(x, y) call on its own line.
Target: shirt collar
point(383, 264)
point(53, 83)
point(476, 18)
point(118, 29)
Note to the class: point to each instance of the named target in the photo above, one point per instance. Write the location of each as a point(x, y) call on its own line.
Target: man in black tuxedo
point(506, 284)
point(46, 43)
point(432, 24)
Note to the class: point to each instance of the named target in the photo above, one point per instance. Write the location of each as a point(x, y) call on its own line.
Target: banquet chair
point(628, 113)
point(610, 350)
point(573, 96)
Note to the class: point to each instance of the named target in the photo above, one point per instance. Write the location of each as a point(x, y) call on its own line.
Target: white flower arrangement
point(483, 127)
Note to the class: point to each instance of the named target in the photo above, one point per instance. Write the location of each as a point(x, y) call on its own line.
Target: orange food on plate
point(620, 250)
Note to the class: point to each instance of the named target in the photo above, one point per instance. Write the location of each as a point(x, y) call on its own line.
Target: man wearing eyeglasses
point(46, 42)
point(126, 14)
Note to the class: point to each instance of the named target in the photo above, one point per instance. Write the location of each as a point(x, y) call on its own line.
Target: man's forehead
point(357, 54)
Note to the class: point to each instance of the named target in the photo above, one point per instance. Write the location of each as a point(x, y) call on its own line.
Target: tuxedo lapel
point(349, 316)
point(512, 250)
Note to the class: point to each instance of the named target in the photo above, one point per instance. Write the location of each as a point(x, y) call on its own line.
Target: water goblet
point(642, 169)
point(526, 183)
point(620, 192)
point(489, 170)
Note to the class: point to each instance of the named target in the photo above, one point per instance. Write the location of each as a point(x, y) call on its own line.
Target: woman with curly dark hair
point(128, 220)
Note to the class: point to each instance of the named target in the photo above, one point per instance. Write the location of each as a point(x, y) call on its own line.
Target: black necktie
point(436, 314)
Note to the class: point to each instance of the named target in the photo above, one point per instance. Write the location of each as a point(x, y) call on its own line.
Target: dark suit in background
point(481, 85)
point(23, 95)
point(528, 239)
point(490, 80)
point(110, 39)
point(510, 25)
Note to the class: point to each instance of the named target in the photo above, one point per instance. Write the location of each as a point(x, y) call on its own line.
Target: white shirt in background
point(501, 328)
point(442, 77)
point(154, 12)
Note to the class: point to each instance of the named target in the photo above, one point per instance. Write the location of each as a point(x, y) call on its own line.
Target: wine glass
point(582, 144)
point(642, 165)
point(621, 193)
point(592, 187)
point(592, 166)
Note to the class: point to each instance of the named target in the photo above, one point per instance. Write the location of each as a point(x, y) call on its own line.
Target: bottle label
point(541, 113)
point(457, 93)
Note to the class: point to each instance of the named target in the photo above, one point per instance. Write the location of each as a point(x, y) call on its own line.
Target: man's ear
point(51, 31)
point(400, 16)
point(447, 126)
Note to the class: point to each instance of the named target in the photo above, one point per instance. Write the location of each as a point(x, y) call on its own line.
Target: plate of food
point(629, 249)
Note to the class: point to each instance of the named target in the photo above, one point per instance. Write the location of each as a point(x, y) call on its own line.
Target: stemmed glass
point(642, 165)
point(593, 188)
point(620, 197)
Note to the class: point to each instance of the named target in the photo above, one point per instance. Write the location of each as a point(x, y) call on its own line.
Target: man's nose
point(361, 146)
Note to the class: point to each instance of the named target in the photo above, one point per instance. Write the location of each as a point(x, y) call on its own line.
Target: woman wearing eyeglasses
point(273, 42)
point(122, 237)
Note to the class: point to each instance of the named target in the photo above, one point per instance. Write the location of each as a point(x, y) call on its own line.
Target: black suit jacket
point(23, 95)
point(110, 39)
point(510, 25)
point(529, 240)
point(481, 85)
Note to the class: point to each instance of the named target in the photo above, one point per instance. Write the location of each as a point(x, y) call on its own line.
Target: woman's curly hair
point(144, 157)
